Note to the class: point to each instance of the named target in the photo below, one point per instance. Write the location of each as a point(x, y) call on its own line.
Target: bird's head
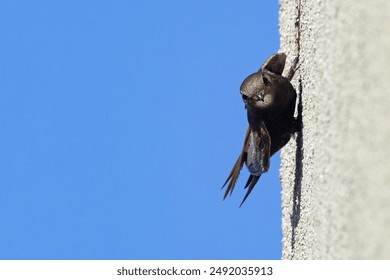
point(259, 90)
point(256, 91)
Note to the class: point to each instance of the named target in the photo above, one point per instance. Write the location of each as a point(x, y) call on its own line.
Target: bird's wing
point(275, 63)
point(259, 150)
point(233, 176)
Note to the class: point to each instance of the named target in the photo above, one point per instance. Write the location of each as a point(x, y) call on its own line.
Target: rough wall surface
point(336, 174)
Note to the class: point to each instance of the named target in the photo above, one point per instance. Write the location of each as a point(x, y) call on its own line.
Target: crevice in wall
point(296, 211)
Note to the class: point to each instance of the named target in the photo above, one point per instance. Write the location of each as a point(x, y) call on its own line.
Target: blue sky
point(120, 121)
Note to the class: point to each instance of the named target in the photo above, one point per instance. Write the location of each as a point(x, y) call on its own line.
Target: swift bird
point(269, 101)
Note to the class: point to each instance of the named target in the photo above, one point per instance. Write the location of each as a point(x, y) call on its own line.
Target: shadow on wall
point(296, 214)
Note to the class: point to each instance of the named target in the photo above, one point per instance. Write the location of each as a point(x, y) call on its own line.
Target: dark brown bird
point(270, 103)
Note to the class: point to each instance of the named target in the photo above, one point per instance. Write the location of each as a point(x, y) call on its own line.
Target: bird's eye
point(265, 80)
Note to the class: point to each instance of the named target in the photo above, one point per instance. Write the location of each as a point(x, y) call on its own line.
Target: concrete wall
point(336, 174)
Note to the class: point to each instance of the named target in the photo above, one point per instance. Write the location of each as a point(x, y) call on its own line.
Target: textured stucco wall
point(336, 175)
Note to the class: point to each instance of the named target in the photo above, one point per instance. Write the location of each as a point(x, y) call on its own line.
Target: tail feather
point(251, 186)
point(249, 181)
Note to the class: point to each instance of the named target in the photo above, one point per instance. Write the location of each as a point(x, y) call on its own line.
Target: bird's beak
point(260, 96)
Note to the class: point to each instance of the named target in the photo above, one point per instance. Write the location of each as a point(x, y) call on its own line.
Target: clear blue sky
point(120, 121)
